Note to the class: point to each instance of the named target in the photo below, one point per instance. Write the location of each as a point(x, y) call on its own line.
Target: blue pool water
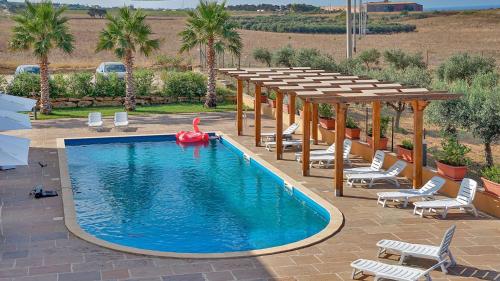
point(151, 193)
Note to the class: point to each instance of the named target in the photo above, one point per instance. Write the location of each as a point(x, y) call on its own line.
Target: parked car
point(27, 68)
point(107, 68)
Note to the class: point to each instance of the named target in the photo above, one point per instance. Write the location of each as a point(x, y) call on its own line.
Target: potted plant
point(263, 98)
point(384, 125)
point(271, 99)
point(352, 130)
point(451, 160)
point(491, 180)
point(326, 119)
point(405, 151)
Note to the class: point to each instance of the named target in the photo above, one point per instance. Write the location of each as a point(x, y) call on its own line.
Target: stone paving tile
point(38, 244)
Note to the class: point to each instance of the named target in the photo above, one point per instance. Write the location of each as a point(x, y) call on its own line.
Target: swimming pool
point(149, 193)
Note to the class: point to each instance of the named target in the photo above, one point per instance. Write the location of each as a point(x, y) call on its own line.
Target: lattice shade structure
point(316, 86)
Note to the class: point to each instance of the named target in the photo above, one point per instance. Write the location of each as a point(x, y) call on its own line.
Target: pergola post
point(376, 108)
point(291, 109)
point(239, 107)
point(418, 125)
point(340, 110)
point(315, 121)
point(279, 125)
point(306, 146)
point(258, 93)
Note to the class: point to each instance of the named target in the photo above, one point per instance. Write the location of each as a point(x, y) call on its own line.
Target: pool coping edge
point(335, 223)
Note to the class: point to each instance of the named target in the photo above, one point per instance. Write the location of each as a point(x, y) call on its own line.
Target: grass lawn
point(83, 112)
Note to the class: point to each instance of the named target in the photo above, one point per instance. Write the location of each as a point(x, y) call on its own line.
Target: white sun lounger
point(404, 195)
point(287, 144)
point(327, 160)
point(389, 271)
point(376, 166)
point(440, 253)
point(389, 175)
point(287, 134)
point(463, 201)
point(329, 150)
point(95, 120)
point(121, 120)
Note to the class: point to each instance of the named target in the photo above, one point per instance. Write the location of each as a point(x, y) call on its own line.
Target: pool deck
point(37, 246)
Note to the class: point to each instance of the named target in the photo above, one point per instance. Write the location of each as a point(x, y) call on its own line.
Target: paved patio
point(36, 245)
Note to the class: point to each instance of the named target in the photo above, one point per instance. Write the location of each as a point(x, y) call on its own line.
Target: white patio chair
point(95, 120)
point(389, 271)
point(287, 144)
point(441, 253)
point(121, 120)
point(389, 175)
point(327, 160)
point(463, 201)
point(287, 133)
point(426, 192)
point(376, 166)
point(329, 150)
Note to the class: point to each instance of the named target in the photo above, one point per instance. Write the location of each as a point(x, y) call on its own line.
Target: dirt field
point(440, 36)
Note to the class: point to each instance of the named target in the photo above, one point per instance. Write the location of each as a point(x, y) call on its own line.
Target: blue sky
point(190, 3)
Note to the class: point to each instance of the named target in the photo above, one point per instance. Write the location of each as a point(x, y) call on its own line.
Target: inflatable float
point(192, 137)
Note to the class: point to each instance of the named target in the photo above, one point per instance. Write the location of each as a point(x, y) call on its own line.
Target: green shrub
point(3, 84)
point(80, 84)
point(453, 153)
point(351, 123)
point(58, 86)
point(465, 67)
point(401, 60)
point(25, 85)
point(325, 110)
point(143, 79)
point(224, 92)
point(263, 55)
point(492, 173)
point(384, 126)
point(110, 86)
point(370, 57)
point(272, 95)
point(407, 144)
point(172, 63)
point(285, 56)
point(185, 84)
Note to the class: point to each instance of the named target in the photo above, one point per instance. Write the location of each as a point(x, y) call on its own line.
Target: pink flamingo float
point(192, 137)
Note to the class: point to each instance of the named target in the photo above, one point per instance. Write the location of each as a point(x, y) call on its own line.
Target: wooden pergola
point(314, 86)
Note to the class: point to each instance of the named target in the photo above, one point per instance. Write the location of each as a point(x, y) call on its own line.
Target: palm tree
point(126, 34)
point(209, 24)
point(41, 28)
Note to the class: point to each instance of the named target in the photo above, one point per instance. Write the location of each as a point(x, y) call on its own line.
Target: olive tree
point(464, 67)
point(263, 55)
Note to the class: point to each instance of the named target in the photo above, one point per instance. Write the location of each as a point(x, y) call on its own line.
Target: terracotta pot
point(405, 154)
point(382, 144)
point(263, 99)
point(352, 134)
point(452, 172)
point(491, 187)
point(327, 123)
point(272, 103)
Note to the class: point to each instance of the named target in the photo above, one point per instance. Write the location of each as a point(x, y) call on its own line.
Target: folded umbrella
point(14, 103)
point(14, 121)
point(13, 151)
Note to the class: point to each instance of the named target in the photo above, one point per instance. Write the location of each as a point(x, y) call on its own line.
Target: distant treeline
point(15, 7)
point(316, 24)
point(298, 8)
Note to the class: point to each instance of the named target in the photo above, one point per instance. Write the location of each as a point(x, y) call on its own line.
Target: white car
point(107, 68)
point(27, 68)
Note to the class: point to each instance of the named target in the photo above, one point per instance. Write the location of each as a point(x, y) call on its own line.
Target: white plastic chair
point(463, 201)
point(376, 166)
point(426, 192)
point(287, 133)
point(389, 271)
point(441, 253)
point(330, 150)
point(95, 120)
point(327, 160)
point(389, 175)
point(121, 120)
point(287, 144)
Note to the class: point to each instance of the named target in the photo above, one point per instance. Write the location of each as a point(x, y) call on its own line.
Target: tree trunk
point(45, 106)
point(211, 100)
point(129, 82)
point(488, 154)
point(397, 119)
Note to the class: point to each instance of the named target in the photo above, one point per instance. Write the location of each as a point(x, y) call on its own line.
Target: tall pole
point(354, 23)
point(348, 25)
